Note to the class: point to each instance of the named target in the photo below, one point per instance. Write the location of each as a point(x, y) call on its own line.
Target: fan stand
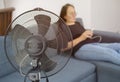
point(35, 81)
point(34, 77)
point(34, 74)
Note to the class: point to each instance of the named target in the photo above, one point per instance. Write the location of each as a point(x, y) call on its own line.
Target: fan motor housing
point(35, 45)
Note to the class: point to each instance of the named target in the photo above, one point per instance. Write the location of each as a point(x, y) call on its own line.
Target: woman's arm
point(73, 43)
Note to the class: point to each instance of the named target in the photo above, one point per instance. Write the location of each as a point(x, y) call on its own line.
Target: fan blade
point(19, 35)
point(43, 22)
point(20, 31)
point(52, 43)
point(59, 42)
point(46, 63)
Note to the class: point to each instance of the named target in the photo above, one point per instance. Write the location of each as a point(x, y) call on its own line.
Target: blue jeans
point(100, 51)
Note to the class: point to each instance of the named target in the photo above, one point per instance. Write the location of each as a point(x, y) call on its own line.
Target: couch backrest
point(80, 21)
point(5, 67)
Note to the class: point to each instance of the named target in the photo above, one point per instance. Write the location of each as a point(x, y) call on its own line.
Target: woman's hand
point(86, 34)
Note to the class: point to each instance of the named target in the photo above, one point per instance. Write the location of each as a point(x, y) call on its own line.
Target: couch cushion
point(74, 71)
point(5, 67)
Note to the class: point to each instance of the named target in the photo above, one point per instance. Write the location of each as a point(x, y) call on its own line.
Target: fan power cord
point(21, 65)
point(100, 38)
point(47, 80)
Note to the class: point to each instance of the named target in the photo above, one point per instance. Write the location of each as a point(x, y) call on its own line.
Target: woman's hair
point(64, 33)
point(64, 10)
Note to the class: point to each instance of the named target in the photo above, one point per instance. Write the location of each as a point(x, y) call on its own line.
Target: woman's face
point(70, 15)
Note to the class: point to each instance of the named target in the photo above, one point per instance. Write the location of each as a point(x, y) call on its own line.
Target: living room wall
point(98, 14)
point(82, 7)
point(1, 4)
point(105, 15)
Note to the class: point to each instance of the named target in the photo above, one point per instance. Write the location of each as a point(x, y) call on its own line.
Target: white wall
point(82, 7)
point(98, 14)
point(105, 15)
point(1, 4)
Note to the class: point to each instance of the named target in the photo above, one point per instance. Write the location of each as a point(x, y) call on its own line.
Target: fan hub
point(35, 45)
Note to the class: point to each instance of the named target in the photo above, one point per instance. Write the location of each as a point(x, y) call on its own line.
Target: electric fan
point(38, 39)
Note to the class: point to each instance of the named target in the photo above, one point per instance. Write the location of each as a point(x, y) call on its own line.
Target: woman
point(83, 46)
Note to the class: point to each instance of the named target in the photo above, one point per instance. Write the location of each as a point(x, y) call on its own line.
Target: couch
point(107, 71)
point(75, 71)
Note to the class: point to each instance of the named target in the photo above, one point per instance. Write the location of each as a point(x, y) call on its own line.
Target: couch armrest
point(108, 37)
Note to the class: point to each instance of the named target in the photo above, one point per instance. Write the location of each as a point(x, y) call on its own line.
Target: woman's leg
point(98, 52)
point(114, 46)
